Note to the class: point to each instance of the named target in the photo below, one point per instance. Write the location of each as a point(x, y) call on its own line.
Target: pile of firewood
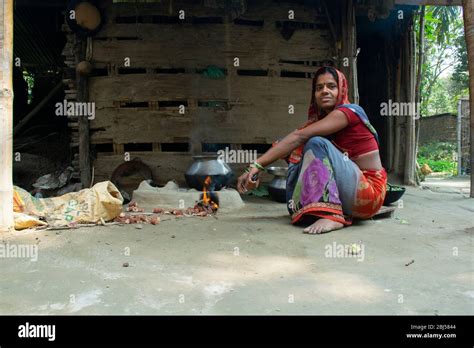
point(137, 219)
point(133, 207)
point(201, 209)
point(133, 215)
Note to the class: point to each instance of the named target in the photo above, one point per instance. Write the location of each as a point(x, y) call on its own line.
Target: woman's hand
point(245, 182)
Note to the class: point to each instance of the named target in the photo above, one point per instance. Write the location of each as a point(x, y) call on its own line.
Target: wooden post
point(410, 160)
point(389, 134)
point(349, 44)
point(419, 70)
point(6, 115)
point(84, 135)
point(468, 10)
point(398, 93)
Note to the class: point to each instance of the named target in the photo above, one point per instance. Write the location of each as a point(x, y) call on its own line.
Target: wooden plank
point(143, 87)
point(161, 8)
point(255, 10)
point(198, 47)
point(201, 45)
point(259, 89)
point(269, 11)
point(119, 149)
point(6, 115)
point(242, 124)
point(165, 166)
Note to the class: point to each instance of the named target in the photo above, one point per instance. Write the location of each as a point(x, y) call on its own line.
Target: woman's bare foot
point(323, 226)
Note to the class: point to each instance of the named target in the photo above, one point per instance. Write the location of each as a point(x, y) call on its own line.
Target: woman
point(334, 172)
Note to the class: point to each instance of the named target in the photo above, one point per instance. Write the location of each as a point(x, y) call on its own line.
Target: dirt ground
point(254, 261)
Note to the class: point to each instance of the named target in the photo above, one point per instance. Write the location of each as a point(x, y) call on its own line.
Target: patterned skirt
point(327, 184)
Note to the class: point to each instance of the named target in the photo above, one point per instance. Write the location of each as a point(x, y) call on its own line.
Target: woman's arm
point(332, 123)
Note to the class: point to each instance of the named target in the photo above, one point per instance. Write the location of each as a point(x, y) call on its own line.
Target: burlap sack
point(103, 200)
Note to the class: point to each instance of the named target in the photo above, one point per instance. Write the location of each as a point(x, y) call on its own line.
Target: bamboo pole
point(468, 12)
point(410, 160)
point(84, 131)
point(398, 93)
point(348, 48)
point(389, 134)
point(6, 115)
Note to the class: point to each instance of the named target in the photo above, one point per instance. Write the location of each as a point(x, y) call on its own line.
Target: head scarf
point(314, 112)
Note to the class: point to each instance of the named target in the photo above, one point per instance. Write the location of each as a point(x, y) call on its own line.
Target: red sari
point(327, 201)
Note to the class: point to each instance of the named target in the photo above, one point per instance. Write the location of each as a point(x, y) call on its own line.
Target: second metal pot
point(277, 187)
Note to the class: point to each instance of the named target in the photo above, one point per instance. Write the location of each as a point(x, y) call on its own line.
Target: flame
point(206, 199)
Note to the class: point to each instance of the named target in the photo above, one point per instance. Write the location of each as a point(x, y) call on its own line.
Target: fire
point(206, 198)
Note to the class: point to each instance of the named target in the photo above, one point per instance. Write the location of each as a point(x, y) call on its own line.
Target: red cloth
point(355, 139)
point(371, 192)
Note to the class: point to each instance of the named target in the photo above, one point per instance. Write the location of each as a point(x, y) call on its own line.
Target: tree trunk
point(6, 115)
point(468, 10)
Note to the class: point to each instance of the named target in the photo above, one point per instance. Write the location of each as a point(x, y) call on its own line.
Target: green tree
point(443, 47)
point(460, 77)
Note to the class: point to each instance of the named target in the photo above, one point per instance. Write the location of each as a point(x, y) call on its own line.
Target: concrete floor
point(460, 184)
point(252, 262)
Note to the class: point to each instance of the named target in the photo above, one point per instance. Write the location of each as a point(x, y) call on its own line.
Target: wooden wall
point(139, 104)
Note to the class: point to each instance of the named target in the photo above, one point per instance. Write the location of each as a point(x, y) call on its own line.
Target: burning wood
point(206, 205)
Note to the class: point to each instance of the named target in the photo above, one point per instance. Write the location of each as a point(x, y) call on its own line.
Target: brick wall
point(439, 128)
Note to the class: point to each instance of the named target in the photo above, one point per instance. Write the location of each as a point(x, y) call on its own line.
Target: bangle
point(258, 166)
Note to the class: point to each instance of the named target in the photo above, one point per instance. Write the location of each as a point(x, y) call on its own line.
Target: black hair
point(326, 70)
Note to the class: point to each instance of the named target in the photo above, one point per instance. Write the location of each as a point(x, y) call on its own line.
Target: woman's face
point(326, 92)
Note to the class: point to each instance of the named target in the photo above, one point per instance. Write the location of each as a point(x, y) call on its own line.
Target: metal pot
point(208, 165)
point(277, 187)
